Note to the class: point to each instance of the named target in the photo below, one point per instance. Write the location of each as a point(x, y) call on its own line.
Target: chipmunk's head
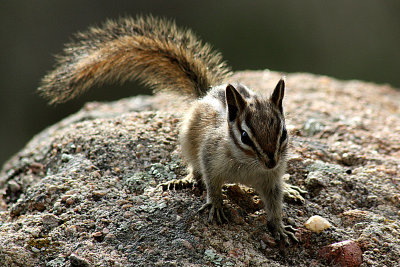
point(257, 126)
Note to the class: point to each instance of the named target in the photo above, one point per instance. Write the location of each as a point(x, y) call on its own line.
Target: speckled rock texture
point(84, 191)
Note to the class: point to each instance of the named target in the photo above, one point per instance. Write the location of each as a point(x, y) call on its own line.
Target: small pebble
point(75, 260)
point(268, 240)
point(128, 214)
point(96, 174)
point(36, 250)
point(65, 197)
point(109, 238)
point(50, 220)
point(122, 202)
point(263, 245)
point(69, 201)
point(317, 224)
point(66, 157)
point(186, 244)
point(97, 234)
point(13, 186)
point(127, 206)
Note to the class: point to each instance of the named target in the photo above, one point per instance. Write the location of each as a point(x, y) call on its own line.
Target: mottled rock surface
point(346, 253)
point(83, 192)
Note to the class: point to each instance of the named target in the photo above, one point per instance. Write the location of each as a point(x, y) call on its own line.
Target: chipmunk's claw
point(215, 210)
point(282, 232)
point(177, 184)
point(293, 193)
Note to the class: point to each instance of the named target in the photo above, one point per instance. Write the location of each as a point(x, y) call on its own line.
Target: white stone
point(317, 224)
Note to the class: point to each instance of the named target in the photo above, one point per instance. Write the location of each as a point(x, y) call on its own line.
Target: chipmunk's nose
point(271, 163)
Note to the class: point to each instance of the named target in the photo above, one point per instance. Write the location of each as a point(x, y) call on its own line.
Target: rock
point(77, 261)
point(108, 187)
point(241, 198)
point(66, 157)
point(315, 180)
point(267, 240)
point(183, 242)
point(50, 220)
point(13, 186)
point(36, 250)
point(354, 216)
point(317, 224)
point(346, 253)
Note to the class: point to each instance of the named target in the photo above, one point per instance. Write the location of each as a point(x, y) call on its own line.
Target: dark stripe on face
point(272, 127)
point(238, 143)
point(251, 144)
point(249, 124)
point(271, 122)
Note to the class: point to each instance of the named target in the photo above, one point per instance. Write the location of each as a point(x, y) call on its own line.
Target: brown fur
point(147, 49)
point(264, 120)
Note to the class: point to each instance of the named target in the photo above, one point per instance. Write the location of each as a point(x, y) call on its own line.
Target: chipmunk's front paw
point(215, 210)
point(177, 184)
point(282, 232)
point(293, 193)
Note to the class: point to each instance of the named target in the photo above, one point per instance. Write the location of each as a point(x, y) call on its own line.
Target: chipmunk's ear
point(277, 95)
point(235, 103)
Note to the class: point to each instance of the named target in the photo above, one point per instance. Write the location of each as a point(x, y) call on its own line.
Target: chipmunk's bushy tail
point(151, 50)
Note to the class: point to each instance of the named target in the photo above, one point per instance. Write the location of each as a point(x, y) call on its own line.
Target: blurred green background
point(344, 39)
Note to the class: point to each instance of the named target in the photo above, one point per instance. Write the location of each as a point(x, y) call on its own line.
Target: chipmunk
point(230, 135)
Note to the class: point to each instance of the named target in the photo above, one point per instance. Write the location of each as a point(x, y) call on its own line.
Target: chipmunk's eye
point(246, 139)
